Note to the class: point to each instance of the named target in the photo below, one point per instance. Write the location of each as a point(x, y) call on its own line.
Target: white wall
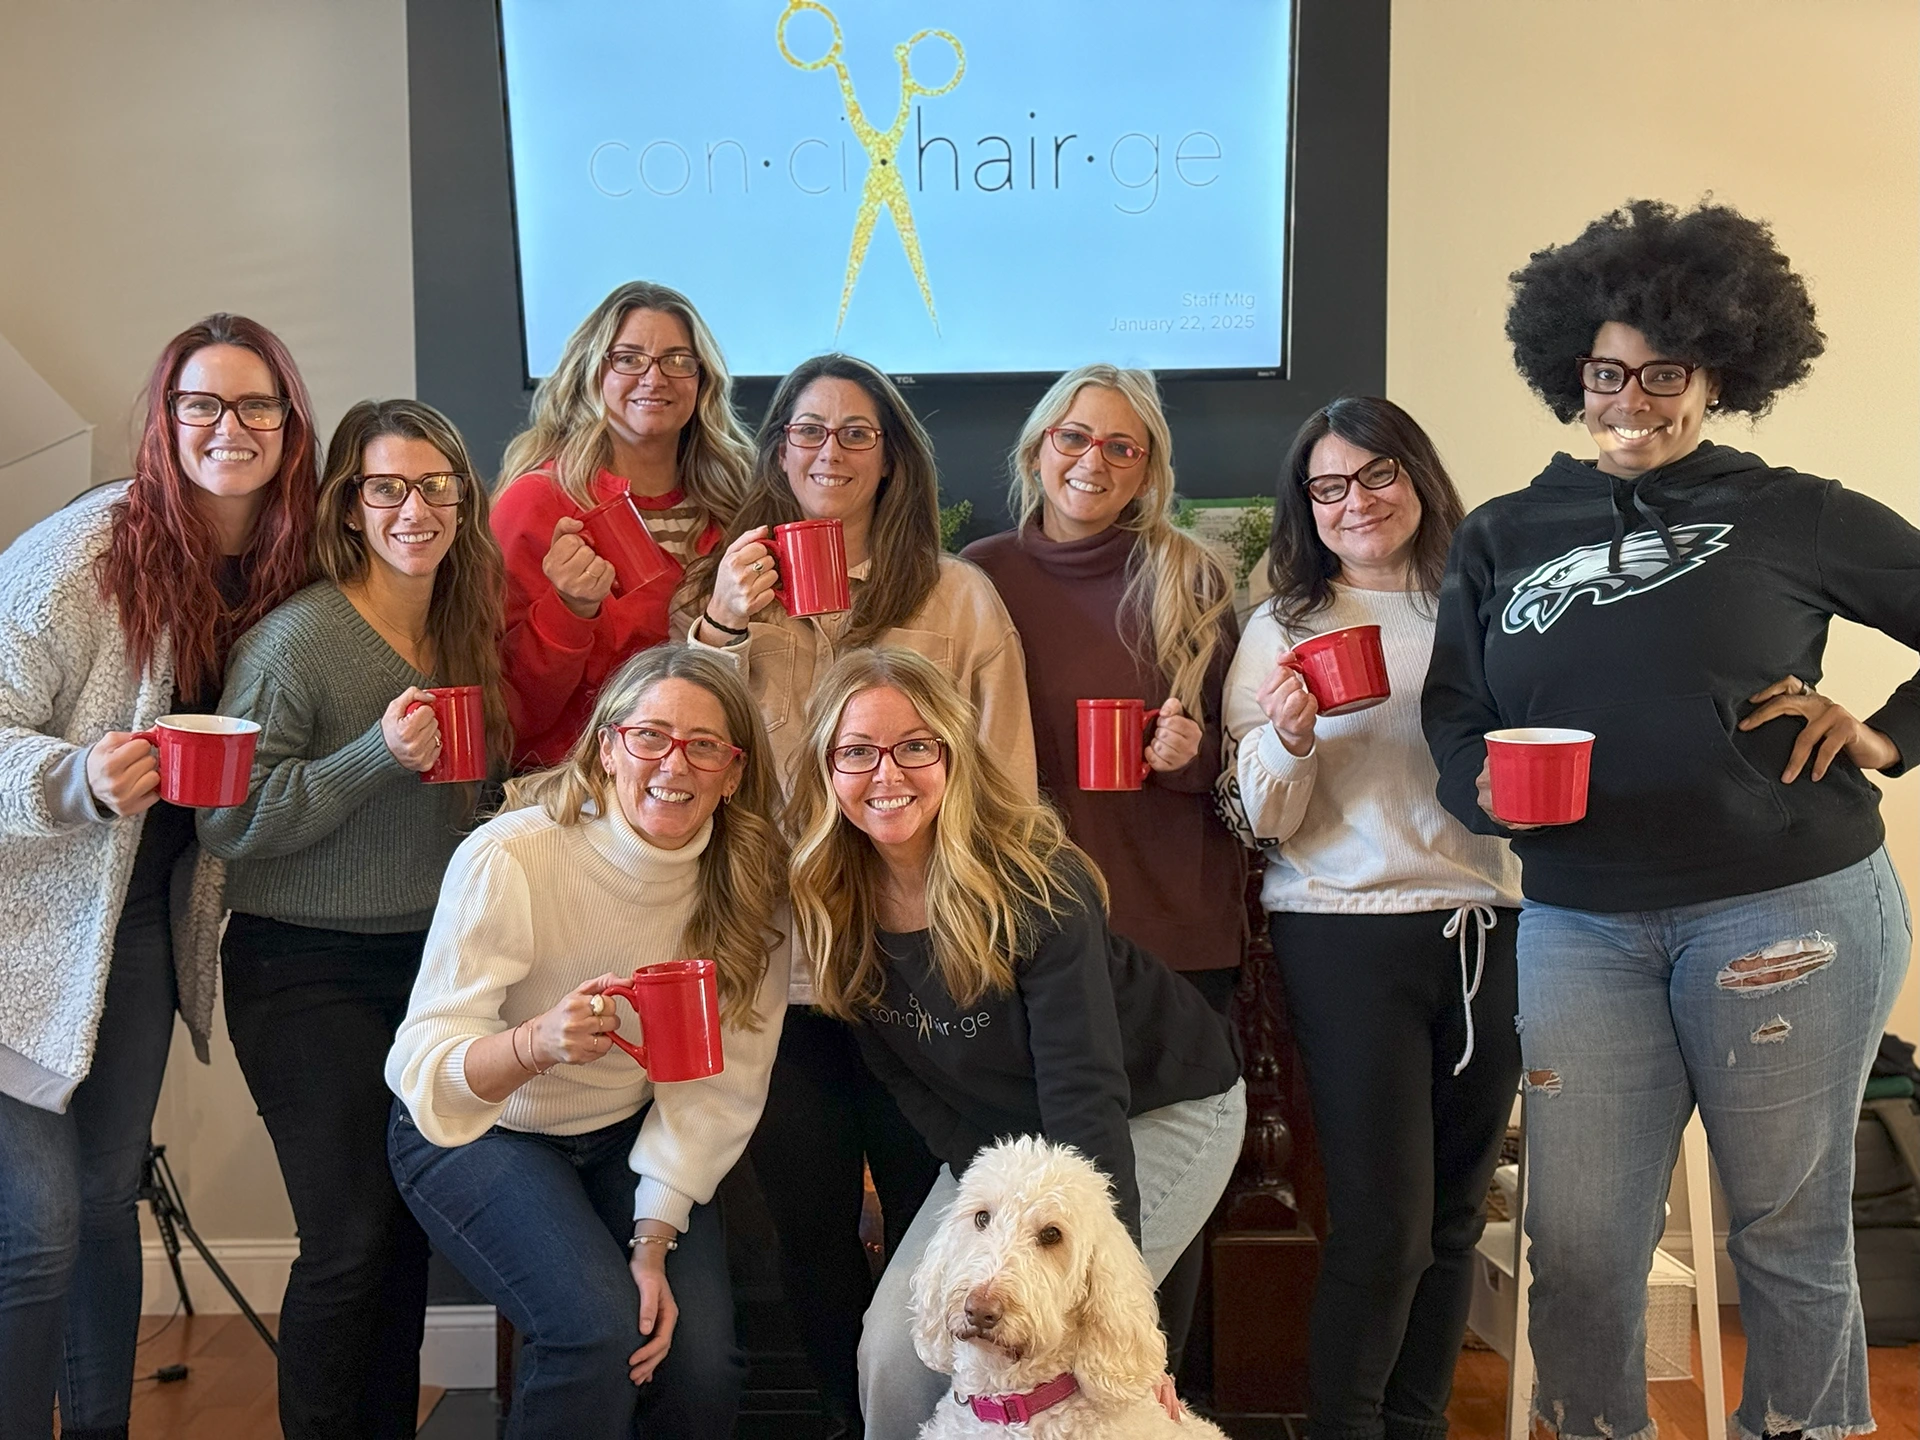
point(173, 157)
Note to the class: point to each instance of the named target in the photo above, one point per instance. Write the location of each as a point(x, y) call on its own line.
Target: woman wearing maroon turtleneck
point(1112, 602)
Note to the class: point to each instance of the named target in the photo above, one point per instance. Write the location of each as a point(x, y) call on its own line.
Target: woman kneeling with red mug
point(568, 1182)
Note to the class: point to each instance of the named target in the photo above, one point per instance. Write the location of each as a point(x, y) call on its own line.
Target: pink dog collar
point(1018, 1409)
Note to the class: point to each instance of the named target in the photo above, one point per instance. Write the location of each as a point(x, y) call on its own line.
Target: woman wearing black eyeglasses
point(334, 866)
point(1393, 926)
point(839, 443)
point(639, 404)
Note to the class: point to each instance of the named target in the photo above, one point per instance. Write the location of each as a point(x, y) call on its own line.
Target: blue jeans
point(1183, 1156)
point(539, 1224)
point(1764, 1011)
point(69, 1184)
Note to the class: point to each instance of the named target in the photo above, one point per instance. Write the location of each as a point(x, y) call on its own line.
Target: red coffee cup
point(618, 535)
point(812, 556)
point(1346, 670)
point(1539, 776)
point(205, 760)
point(1113, 743)
point(678, 1003)
point(462, 716)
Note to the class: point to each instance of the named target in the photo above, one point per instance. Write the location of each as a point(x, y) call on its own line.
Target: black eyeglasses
point(810, 435)
point(643, 742)
point(1332, 489)
point(1074, 442)
point(202, 409)
point(389, 492)
point(1665, 378)
point(675, 364)
point(915, 754)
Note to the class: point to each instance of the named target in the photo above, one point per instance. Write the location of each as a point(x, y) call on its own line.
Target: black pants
point(826, 1115)
point(313, 1014)
point(1181, 1288)
point(1408, 1148)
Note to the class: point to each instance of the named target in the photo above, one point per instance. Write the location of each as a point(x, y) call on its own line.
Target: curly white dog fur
point(1031, 1275)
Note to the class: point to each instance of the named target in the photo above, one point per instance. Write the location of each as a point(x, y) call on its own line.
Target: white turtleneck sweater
point(529, 911)
point(1354, 826)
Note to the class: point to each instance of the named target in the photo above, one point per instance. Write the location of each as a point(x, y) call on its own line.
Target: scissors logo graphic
point(884, 185)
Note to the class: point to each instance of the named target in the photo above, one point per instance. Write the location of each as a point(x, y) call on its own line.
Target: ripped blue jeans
point(1764, 1011)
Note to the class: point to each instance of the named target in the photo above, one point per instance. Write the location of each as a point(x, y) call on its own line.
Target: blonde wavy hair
point(567, 427)
point(744, 864)
point(1000, 860)
point(1178, 592)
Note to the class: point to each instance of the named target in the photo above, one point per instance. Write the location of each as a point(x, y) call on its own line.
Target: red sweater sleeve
point(544, 658)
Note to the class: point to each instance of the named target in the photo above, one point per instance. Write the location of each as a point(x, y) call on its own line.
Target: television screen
point(939, 186)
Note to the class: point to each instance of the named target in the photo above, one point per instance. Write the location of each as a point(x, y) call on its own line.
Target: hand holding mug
point(123, 773)
point(1829, 729)
point(659, 1311)
point(581, 578)
point(410, 729)
point(574, 1032)
point(1483, 792)
point(1287, 702)
point(1176, 738)
point(744, 582)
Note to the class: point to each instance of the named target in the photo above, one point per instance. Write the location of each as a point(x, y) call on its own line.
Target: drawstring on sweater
point(1458, 925)
point(1646, 513)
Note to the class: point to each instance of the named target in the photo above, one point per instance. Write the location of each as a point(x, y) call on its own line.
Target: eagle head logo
point(1543, 597)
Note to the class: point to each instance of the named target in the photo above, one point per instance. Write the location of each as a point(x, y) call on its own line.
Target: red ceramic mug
point(1539, 776)
point(1345, 669)
point(618, 535)
point(205, 760)
point(462, 716)
point(812, 556)
point(1113, 743)
point(678, 1003)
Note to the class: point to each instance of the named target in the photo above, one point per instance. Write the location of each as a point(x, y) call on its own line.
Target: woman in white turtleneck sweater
point(1393, 925)
point(534, 1156)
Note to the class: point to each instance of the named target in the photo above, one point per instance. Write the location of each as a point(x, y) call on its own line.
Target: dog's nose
point(983, 1310)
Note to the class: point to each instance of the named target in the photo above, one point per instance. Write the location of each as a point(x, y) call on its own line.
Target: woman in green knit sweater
point(336, 859)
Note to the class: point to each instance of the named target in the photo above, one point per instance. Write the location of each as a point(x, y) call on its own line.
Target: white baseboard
point(457, 1353)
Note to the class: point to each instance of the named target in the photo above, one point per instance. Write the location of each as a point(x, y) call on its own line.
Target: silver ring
point(597, 1006)
point(758, 566)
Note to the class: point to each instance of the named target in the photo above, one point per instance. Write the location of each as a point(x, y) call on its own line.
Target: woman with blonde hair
point(965, 937)
point(640, 404)
point(335, 860)
point(840, 443)
point(518, 1134)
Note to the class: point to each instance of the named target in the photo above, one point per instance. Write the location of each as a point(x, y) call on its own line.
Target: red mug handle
point(624, 989)
point(1145, 720)
point(152, 737)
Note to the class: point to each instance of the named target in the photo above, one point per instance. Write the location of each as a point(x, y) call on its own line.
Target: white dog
point(1034, 1299)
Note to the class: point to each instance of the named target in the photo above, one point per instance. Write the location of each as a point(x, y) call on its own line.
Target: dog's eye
point(981, 1219)
point(1049, 1236)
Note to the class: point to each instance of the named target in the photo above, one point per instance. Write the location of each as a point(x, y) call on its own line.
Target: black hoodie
point(1647, 610)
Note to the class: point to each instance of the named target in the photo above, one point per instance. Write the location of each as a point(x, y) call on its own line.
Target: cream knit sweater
point(531, 909)
point(1354, 826)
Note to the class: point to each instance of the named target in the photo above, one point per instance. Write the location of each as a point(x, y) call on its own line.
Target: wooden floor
point(229, 1391)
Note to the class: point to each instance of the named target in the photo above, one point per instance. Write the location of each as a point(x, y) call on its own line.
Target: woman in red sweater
point(1113, 602)
point(640, 403)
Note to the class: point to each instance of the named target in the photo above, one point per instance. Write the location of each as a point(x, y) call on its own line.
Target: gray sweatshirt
point(335, 833)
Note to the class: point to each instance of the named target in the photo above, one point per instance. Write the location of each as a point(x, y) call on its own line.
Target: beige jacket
point(962, 627)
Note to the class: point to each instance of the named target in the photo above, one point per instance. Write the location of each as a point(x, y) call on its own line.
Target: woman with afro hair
point(1723, 927)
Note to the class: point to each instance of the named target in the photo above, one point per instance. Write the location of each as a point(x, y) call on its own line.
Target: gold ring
point(597, 1005)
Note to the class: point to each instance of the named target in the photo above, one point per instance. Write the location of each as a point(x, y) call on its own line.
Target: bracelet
point(513, 1039)
point(653, 1240)
point(707, 615)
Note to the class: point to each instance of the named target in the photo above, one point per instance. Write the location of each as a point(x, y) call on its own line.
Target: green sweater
point(334, 833)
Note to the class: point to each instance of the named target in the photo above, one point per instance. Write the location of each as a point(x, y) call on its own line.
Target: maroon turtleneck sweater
point(1175, 874)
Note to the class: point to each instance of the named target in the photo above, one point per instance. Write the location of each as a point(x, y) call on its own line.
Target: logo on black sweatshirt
point(1543, 597)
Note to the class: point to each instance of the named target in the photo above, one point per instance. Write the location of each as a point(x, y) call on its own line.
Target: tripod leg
point(226, 1281)
point(170, 1210)
point(170, 1242)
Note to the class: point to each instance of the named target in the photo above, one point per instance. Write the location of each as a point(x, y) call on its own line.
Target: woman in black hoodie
point(1724, 927)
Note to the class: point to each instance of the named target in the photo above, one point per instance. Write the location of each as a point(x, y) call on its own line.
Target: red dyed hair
point(159, 565)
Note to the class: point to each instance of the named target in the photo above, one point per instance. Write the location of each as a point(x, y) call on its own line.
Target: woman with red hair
point(114, 611)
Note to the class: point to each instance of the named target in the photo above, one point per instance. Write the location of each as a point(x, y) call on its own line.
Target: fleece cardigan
point(532, 909)
point(64, 682)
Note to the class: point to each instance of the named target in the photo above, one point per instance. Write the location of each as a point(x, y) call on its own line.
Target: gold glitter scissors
point(884, 185)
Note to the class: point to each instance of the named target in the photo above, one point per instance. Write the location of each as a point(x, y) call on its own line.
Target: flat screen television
point(944, 187)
